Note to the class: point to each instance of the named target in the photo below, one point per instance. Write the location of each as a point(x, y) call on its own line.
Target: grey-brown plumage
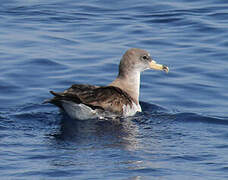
point(108, 98)
point(120, 97)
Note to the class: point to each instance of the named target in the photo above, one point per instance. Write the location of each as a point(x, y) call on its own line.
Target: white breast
point(131, 110)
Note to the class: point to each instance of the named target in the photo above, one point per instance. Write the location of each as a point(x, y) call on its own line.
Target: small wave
point(155, 114)
point(28, 116)
point(193, 117)
point(147, 107)
point(43, 61)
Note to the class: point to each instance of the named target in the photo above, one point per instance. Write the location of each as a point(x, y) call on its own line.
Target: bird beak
point(154, 65)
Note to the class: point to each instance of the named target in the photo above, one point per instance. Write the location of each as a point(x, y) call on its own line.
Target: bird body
point(119, 98)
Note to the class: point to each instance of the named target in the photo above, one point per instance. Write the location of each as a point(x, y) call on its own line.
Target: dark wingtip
point(57, 94)
point(52, 92)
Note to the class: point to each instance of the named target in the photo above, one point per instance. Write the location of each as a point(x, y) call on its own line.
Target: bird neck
point(129, 83)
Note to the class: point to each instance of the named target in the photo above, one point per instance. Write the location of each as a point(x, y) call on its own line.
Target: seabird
point(118, 99)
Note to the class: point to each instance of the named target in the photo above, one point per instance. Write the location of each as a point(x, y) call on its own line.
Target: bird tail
point(56, 100)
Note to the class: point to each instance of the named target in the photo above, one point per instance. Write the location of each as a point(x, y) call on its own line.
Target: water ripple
point(49, 45)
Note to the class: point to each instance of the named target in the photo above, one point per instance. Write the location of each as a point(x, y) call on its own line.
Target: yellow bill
point(154, 65)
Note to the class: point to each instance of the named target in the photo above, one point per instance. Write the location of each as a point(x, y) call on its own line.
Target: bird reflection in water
point(107, 132)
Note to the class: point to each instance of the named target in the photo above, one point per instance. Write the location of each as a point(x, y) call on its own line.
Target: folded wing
point(108, 98)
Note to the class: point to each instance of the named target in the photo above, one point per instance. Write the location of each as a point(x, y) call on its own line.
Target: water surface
point(49, 45)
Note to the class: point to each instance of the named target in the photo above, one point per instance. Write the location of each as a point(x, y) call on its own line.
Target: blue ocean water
point(49, 45)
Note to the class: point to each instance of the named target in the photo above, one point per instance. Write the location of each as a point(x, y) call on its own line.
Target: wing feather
point(108, 98)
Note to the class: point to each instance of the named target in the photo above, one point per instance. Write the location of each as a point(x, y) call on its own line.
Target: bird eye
point(145, 57)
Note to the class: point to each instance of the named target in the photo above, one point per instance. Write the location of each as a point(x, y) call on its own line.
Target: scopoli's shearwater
point(119, 98)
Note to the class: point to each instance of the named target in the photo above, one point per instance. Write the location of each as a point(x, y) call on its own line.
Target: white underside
point(83, 112)
point(131, 110)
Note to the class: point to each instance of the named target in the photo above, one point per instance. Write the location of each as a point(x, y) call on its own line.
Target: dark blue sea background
point(182, 132)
